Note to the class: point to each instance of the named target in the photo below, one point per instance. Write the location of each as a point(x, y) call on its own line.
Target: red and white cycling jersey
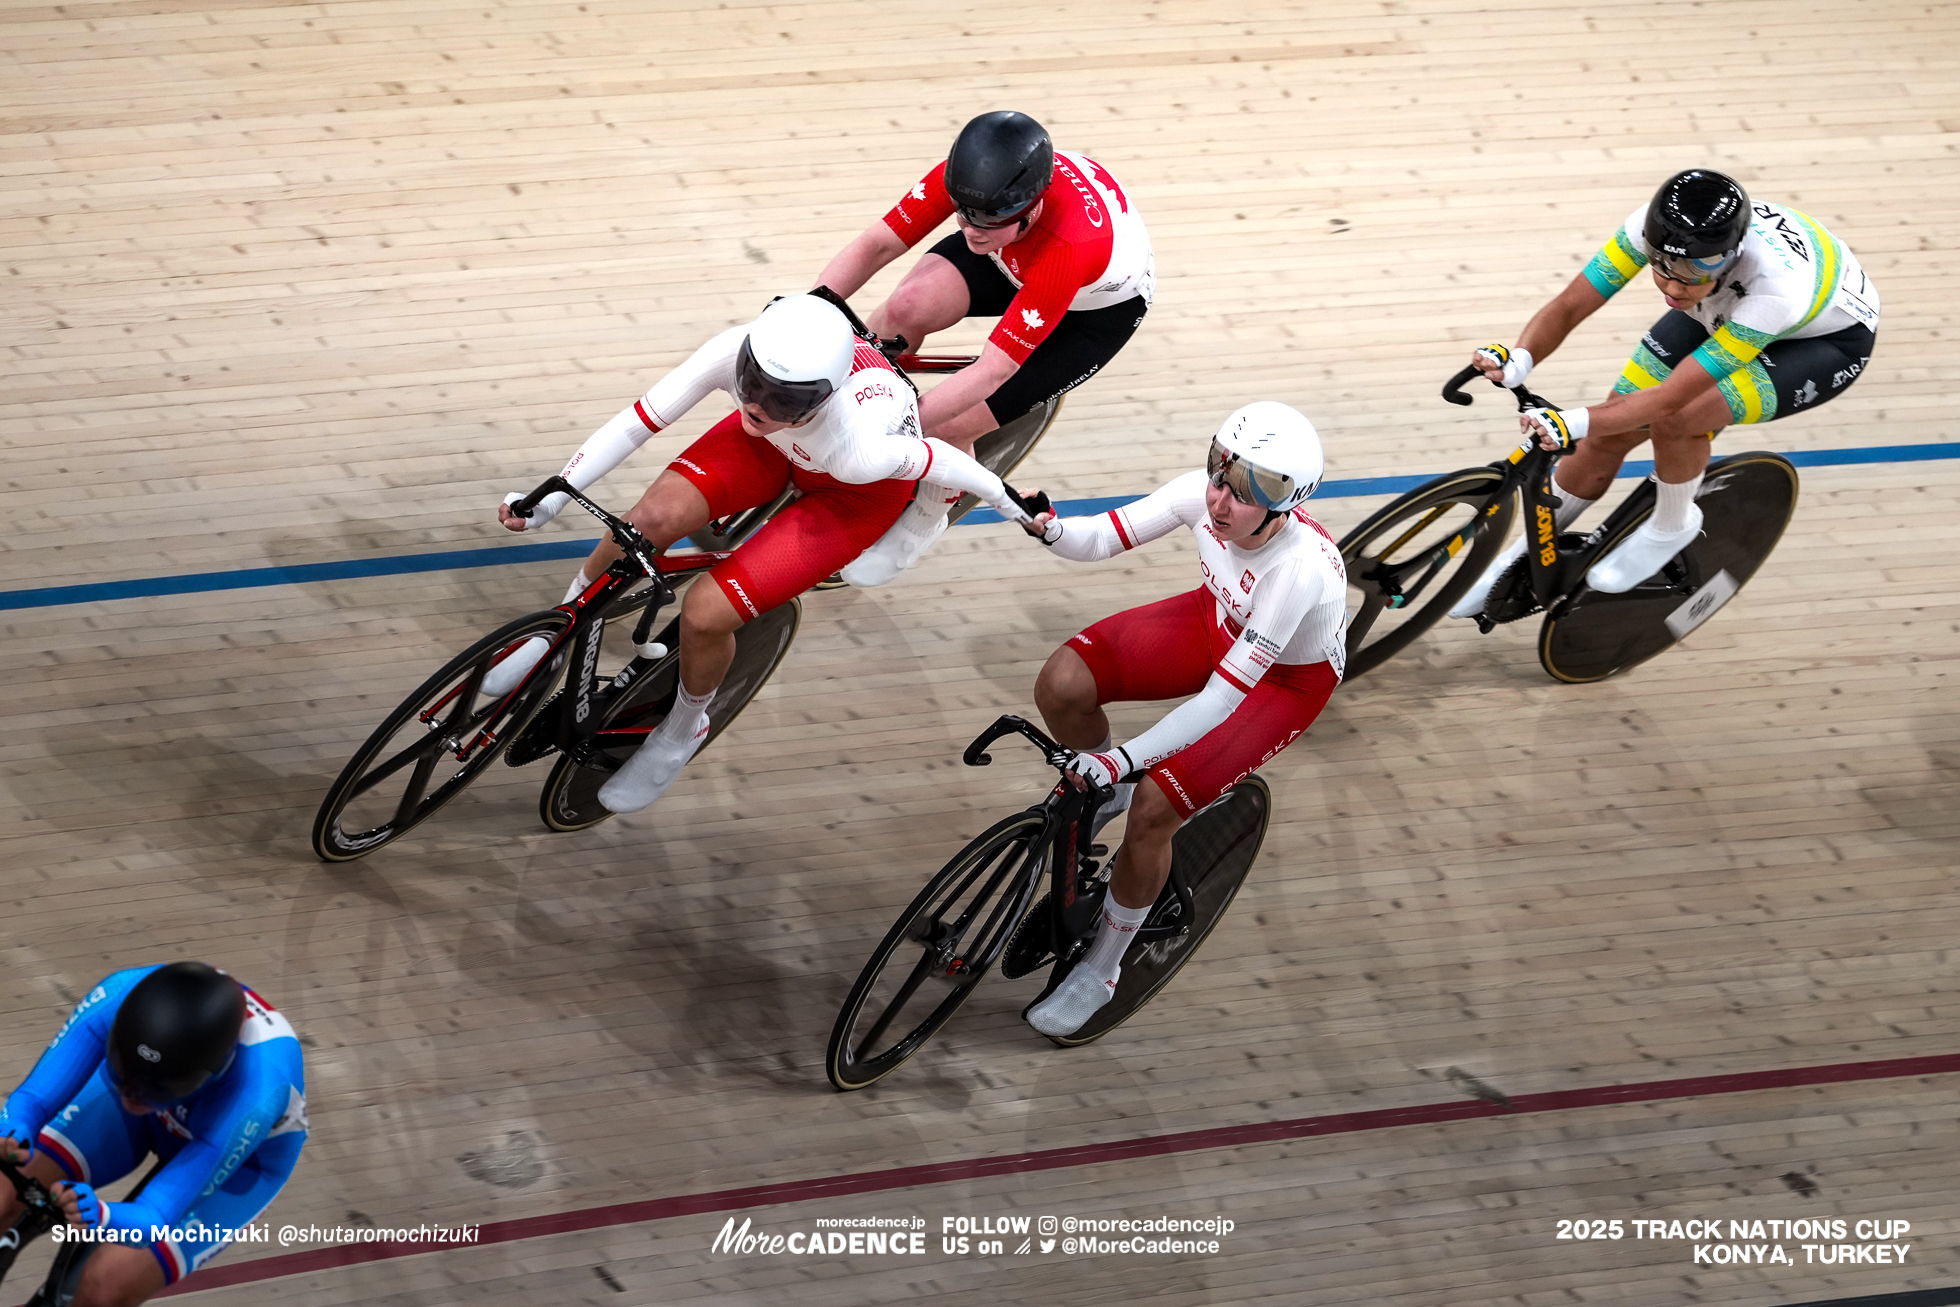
point(1284, 602)
point(1087, 250)
point(868, 431)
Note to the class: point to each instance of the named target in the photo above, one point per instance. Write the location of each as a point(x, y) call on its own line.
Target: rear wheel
point(432, 746)
point(1214, 852)
point(1412, 560)
point(1746, 502)
point(939, 949)
point(570, 800)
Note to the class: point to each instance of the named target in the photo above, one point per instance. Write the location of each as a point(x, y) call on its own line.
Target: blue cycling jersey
point(222, 1127)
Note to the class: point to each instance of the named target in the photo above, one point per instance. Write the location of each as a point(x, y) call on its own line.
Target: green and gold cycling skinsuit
point(1791, 325)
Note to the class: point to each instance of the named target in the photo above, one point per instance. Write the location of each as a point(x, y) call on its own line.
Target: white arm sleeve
point(1186, 724)
point(1175, 504)
point(709, 368)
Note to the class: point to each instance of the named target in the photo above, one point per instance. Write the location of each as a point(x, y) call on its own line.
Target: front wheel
point(939, 949)
point(438, 741)
point(570, 799)
point(1214, 852)
point(1409, 562)
point(1746, 501)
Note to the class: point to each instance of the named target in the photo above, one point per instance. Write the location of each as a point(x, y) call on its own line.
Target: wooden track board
point(299, 283)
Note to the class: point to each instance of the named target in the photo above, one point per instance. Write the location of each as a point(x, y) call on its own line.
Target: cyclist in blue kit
point(178, 1060)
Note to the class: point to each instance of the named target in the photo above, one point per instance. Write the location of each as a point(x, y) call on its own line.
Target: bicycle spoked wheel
point(570, 799)
point(433, 745)
point(1402, 572)
point(1215, 851)
point(1001, 450)
point(1746, 501)
point(938, 950)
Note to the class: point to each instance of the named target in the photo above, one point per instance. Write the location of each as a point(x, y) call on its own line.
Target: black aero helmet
point(175, 1030)
point(1000, 164)
point(1695, 225)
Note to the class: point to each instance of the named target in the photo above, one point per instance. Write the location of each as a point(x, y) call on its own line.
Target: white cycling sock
point(577, 587)
point(685, 718)
point(930, 502)
point(1671, 504)
point(1119, 926)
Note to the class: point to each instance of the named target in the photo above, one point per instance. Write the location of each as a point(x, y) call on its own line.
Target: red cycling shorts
point(812, 537)
point(1167, 650)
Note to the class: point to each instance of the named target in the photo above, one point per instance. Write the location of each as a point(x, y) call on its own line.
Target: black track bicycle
point(987, 908)
point(43, 1214)
point(449, 730)
point(1410, 562)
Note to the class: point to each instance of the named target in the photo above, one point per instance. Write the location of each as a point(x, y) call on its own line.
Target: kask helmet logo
point(148, 1054)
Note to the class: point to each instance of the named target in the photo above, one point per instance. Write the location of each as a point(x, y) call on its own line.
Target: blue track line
point(247, 578)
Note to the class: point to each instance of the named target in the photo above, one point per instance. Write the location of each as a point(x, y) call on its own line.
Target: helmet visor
point(1691, 271)
point(993, 219)
point(783, 401)
point(1250, 485)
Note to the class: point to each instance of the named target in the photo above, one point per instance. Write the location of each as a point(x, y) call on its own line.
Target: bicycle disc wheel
point(1001, 450)
point(433, 745)
point(938, 950)
point(570, 799)
point(1408, 563)
point(1214, 851)
point(1746, 501)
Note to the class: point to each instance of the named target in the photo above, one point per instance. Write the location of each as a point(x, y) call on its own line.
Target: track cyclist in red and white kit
point(817, 407)
point(1049, 241)
point(1260, 644)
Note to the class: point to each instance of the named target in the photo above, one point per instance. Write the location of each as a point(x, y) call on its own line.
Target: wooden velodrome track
point(306, 283)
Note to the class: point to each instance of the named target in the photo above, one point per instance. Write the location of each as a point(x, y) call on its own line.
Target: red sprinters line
point(1050, 1159)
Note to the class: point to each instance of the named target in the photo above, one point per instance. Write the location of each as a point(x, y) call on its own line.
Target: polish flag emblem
point(1033, 318)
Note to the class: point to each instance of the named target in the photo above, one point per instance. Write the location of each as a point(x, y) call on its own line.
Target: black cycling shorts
point(1786, 378)
point(1074, 351)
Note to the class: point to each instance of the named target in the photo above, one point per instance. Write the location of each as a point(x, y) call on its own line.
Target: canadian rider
point(1050, 242)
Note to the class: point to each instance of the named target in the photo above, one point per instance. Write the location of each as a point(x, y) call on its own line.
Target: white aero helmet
point(1268, 455)
point(796, 355)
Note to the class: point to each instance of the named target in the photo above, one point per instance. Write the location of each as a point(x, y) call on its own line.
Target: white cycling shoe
point(1641, 555)
point(1478, 595)
point(650, 771)
point(503, 678)
point(902, 545)
point(1074, 1001)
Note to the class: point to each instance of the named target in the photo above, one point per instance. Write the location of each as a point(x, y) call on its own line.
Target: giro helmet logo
point(148, 1054)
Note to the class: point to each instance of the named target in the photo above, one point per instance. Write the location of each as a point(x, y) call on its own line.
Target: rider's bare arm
point(1550, 326)
point(964, 389)
point(1640, 408)
point(859, 261)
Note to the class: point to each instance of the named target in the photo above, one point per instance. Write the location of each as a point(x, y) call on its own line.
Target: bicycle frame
point(1553, 568)
point(1078, 882)
point(578, 724)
